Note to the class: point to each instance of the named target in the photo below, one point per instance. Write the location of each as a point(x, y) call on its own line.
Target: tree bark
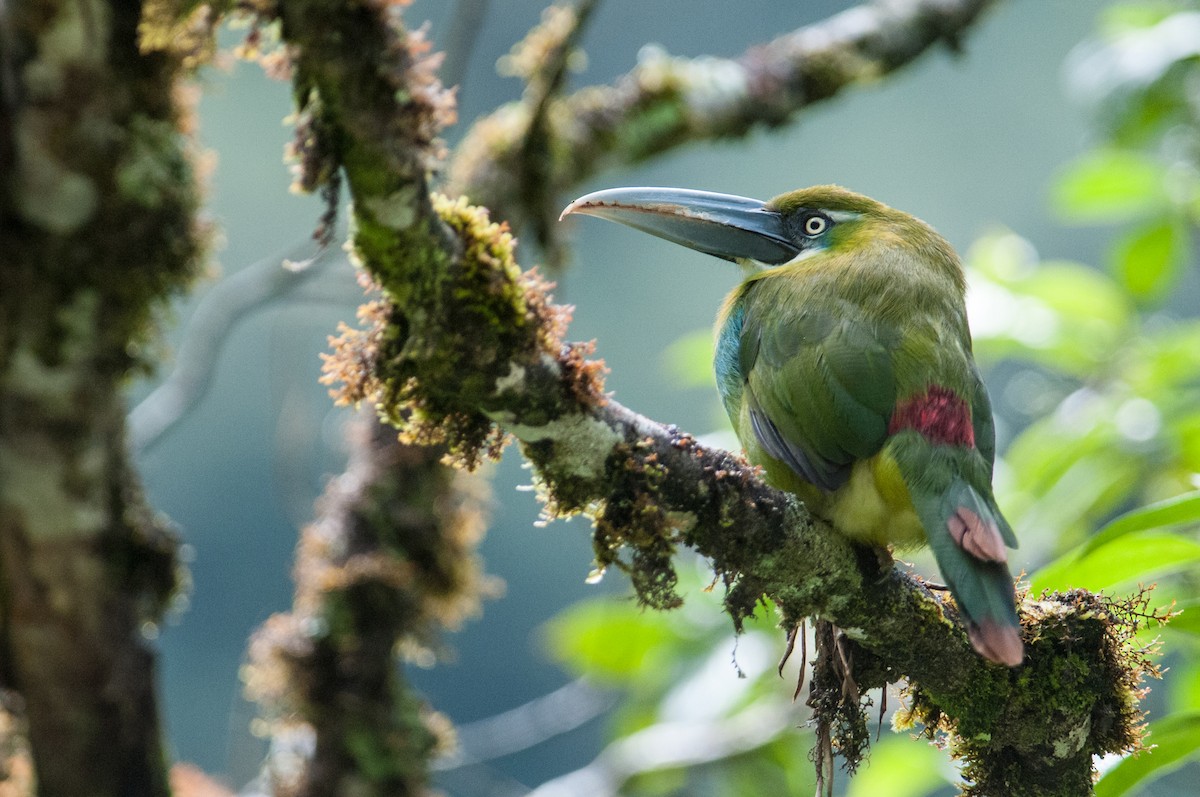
point(389, 563)
point(96, 230)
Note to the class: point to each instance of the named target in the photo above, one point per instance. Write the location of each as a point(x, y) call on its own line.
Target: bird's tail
point(968, 536)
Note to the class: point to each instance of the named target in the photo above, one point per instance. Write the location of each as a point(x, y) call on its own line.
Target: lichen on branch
point(98, 231)
point(480, 318)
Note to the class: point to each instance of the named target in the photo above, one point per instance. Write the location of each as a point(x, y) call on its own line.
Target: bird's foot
point(885, 558)
point(800, 631)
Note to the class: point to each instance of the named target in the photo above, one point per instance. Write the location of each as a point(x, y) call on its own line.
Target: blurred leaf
point(1185, 685)
point(1172, 512)
point(1138, 77)
point(1109, 185)
point(1069, 471)
point(1066, 316)
point(1146, 259)
point(788, 755)
point(1133, 557)
point(610, 640)
point(1123, 17)
point(899, 767)
point(1175, 739)
point(1087, 490)
point(1188, 619)
point(1188, 430)
point(689, 359)
point(1072, 289)
point(1165, 360)
point(658, 782)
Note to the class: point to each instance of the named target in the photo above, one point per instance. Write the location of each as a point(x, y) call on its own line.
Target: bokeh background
point(971, 141)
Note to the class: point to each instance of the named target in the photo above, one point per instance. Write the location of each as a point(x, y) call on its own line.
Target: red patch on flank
point(939, 415)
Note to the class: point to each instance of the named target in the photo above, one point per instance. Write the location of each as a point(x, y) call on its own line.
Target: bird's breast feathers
point(874, 505)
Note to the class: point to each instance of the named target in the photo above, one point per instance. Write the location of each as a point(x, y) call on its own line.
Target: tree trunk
point(96, 229)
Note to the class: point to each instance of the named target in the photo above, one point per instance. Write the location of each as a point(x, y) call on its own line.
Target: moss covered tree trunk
point(96, 206)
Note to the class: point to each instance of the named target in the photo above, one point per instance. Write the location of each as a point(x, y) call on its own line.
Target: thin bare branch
point(528, 725)
point(672, 746)
point(229, 301)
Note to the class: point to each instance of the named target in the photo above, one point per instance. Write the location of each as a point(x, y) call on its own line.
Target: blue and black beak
point(726, 226)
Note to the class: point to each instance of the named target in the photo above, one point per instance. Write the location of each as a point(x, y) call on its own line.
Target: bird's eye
point(815, 224)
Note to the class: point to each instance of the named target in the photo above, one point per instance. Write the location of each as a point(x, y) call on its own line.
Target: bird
point(844, 362)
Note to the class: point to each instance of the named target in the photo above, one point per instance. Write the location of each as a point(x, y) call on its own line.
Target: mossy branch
point(667, 102)
point(387, 565)
point(462, 348)
point(97, 232)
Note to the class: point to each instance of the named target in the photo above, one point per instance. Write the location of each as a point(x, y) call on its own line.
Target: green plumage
point(844, 362)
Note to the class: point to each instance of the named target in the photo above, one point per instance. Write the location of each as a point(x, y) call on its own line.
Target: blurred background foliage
point(1092, 354)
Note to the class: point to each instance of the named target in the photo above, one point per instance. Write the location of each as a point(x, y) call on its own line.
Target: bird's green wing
point(981, 418)
point(985, 442)
point(820, 386)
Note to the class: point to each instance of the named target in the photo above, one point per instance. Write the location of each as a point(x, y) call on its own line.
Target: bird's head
point(757, 234)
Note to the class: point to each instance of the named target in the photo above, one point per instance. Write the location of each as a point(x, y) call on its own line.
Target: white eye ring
point(815, 225)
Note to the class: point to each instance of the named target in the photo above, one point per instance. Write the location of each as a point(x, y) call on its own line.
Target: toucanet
point(844, 362)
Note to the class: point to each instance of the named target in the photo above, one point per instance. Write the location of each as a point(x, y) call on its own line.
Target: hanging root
point(834, 697)
point(800, 631)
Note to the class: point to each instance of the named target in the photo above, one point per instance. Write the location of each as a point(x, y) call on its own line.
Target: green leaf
point(1071, 289)
point(899, 767)
point(1187, 431)
point(1066, 316)
point(1188, 619)
point(1164, 362)
point(689, 359)
point(1146, 259)
point(1175, 739)
point(1109, 185)
point(610, 640)
point(1132, 557)
point(1069, 472)
point(1184, 685)
point(1124, 17)
point(1175, 511)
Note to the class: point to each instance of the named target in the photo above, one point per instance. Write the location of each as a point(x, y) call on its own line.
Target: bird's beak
point(731, 227)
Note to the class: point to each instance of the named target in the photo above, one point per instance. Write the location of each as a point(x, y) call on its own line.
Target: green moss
point(449, 330)
point(1065, 705)
point(633, 518)
point(660, 125)
point(155, 167)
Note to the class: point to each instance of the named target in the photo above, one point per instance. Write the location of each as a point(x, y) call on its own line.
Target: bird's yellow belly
point(874, 506)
